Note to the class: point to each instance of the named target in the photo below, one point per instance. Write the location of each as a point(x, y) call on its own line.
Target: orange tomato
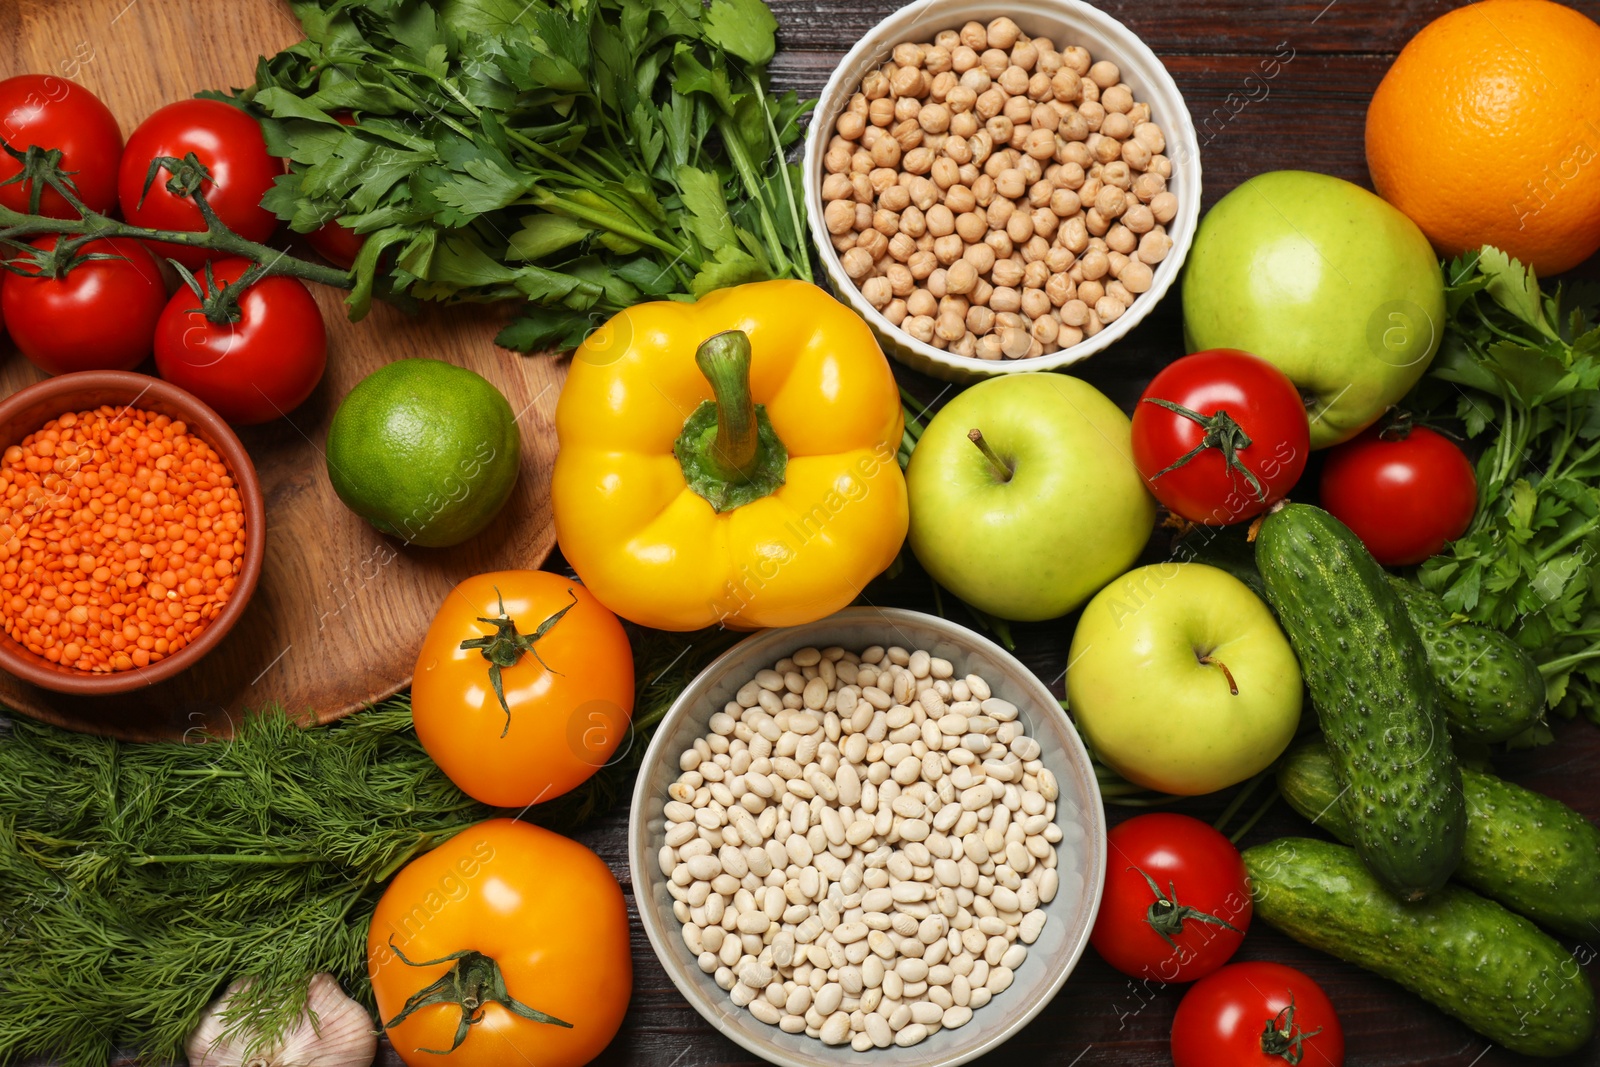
point(509, 944)
point(566, 677)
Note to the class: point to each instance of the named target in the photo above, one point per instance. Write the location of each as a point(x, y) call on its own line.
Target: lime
point(425, 451)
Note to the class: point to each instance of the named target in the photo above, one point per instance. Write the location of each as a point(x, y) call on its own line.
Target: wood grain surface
point(341, 609)
point(1309, 116)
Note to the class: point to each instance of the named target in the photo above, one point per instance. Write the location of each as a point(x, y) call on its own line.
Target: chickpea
point(1000, 128)
point(950, 326)
point(981, 256)
point(851, 125)
point(1059, 259)
point(905, 82)
point(1064, 203)
point(1008, 183)
point(1015, 342)
point(1094, 264)
point(876, 292)
point(1046, 328)
point(948, 248)
point(836, 161)
point(1045, 223)
point(981, 293)
point(1073, 235)
point(1003, 33)
point(1075, 312)
point(839, 216)
point(975, 36)
point(836, 187)
point(913, 222)
point(1117, 127)
point(969, 174)
point(971, 226)
point(967, 346)
point(1096, 223)
point(982, 146)
point(1019, 109)
point(1073, 130)
point(1066, 87)
point(873, 243)
point(861, 187)
point(1044, 117)
point(895, 312)
point(1109, 202)
point(1019, 227)
point(1040, 144)
point(977, 79)
point(959, 198)
point(1059, 289)
point(901, 283)
point(1074, 152)
point(1025, 54)
point(953, 302)
point(1139, 113)
point(1035, 274)
point(1161, 165)
point(1136, 155)
point(879, 180)
point(921, 302)
point(963, 58)
point(960, 277)
point(1039, 88)
point(1007, 274)
point(1010, 320)
point(1109, 308)
point(1154, 246)
point(1164, 206)
point(1076, 59)
point(1105, 74)
point(1147, 185)
point(989, 347)
point(1104, 149)
point(934, 118)
point(842, 242)
point(1091, 91)
point(1118, 261)
point(1117, 98)
point(994, 63)
point(980, 320)
point(857, 263)
point(1034, 302)
point(924, 194)
point(919, 327)
point(940, 221)
point(999, 213)
point(1049, 59)
point(908, 134)
point(945, 172)
point(983, 190)
point(1091, 292)
point(1150, 135)
point(886, 222)
point(1139, 219)
point(908, 54)
point(906, 108)
point(895, 198)
point(1137, 276)
point(1094, 115)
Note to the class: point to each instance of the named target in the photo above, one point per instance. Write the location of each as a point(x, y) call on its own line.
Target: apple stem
point(1211, 661)
point(1000, 466)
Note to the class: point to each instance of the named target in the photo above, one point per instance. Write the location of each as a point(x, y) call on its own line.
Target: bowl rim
point(1180, 132)
point(642, 863)
point(117, 386)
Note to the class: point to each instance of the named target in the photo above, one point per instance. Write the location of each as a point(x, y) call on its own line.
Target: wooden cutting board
point(340, 610)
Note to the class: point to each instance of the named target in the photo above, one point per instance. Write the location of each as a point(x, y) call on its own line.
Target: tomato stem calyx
point(506, 647)
point(473, 983)
point(728, 450)
point(1221, 433)
point(219, 303)
point(1166, 915)
point(1279, 1037)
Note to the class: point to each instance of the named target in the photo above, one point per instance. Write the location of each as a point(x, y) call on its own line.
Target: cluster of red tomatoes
point(116, 302)
point(1221, 436)
point(1176, 907)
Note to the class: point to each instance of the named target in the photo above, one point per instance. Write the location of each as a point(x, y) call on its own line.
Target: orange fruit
point(1487, 131)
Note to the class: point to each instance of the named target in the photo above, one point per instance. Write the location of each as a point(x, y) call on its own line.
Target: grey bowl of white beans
point(1065, 24)
point(993, 941)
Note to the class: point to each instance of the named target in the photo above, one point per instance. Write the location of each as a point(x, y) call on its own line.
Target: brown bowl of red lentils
point(132, 531)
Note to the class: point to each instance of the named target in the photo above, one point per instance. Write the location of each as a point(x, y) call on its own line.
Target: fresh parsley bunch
point(1520, 370)
point(580, 155)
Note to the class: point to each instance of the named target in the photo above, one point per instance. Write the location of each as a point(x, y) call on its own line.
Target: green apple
point(1181, 680)
point(1327, 281)
point(1024, 496)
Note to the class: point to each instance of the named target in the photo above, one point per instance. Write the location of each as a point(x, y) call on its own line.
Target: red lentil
point(120, 533)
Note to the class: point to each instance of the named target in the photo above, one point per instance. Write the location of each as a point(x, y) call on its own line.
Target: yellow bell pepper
point(730, 461)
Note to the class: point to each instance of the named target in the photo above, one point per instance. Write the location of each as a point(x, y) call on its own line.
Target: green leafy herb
point(141, 879)
point(1520, 370)
point(577, 156)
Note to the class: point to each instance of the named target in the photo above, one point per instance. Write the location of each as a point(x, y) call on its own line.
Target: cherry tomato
point(541, 913)
point(52, 112)
point(229, 144)
point(252, 370)
point(1220, 436)
point(335, 242)
point(1256, 1015)
point(1406, 491)
point(568, 693)
point(100, 315)
point(1176, 902)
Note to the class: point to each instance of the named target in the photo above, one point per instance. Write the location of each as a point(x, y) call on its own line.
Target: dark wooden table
point(1309, 116)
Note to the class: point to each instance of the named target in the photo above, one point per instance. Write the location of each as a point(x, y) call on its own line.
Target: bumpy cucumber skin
point(1376, 700)
point(1530, 852)
point(1491, 688)
point(1467, 955)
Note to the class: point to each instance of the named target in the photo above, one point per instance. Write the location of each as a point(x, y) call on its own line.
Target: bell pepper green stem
point(725, 361)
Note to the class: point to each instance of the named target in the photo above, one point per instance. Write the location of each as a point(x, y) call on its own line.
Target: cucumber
point(1492, 690)
point(1378, 705)
point(1467, 955)
point(1530, 852)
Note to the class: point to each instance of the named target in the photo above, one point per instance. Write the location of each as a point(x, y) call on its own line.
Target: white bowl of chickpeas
point(999, 188)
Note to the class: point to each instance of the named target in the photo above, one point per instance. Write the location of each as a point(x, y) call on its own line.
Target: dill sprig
point(139, 880)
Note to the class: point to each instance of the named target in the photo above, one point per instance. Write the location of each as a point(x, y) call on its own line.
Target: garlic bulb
point(342, 1034)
